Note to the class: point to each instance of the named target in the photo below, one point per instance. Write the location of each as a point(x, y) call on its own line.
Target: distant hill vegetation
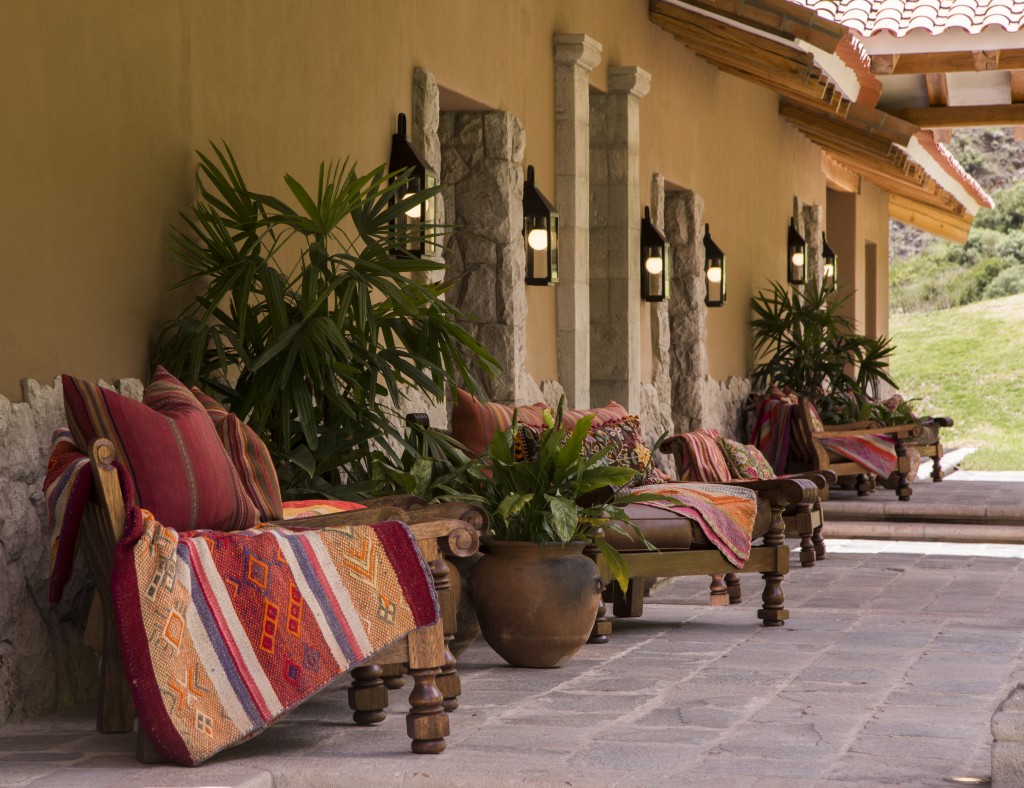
point(927, 274)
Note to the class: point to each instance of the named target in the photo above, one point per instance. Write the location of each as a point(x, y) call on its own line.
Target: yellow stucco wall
point(104, 103)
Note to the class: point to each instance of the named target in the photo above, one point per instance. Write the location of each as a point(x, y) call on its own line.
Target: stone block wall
point(43, 662)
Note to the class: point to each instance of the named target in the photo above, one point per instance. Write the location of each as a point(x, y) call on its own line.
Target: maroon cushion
point(250, 456)
point(180, 470)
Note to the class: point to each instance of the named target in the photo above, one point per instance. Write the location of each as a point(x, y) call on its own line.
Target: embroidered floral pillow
point(622, 438)
point(745, 461)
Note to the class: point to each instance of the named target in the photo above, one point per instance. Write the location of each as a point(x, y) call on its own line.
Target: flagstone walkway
point(888, 672)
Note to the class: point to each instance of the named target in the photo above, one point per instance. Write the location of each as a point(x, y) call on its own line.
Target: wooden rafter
point(779, 17)
point(1017, 97)
point(935, 62)
point(927, 217)
point(938, 96)
point(961, 117)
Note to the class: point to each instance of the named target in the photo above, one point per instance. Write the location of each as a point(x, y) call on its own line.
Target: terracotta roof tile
point(936, 16)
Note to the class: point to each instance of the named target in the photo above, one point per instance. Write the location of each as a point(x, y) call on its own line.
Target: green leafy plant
point(561, 494)
point(309, 318)
point(804, 343)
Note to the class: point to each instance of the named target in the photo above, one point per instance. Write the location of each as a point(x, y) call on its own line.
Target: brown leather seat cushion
point(669, 531)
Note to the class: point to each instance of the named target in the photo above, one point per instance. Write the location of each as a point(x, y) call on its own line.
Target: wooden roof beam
point(962, 117)
point(948, 62)
point(938, 96)
point(929, 218)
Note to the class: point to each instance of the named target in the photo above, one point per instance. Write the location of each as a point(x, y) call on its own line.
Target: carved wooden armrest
point(852, 425)
point(943, 421)
point(470, 513)
point(375, 514)
point(401, 501)
point(822, 478)
point(898, 431)
point(782, 492)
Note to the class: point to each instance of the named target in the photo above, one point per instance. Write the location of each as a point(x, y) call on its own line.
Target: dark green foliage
point(307, 322)
point(804, 342)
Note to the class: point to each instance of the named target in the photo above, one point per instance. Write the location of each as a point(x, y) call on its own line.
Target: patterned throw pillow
point(745, 461)
point(475, 422)
point(622, 438)
point(702, 459)
point(249, 455)
point(814, 418)
point(180, 470)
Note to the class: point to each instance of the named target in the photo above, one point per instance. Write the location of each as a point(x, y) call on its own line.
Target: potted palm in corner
point(535, 590)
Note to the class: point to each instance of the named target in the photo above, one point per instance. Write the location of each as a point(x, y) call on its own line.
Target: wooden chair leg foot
point(426, 723)
point(393, 676)
point(719, 596)
point(819, 544)
point(864, 485)
point(449, 683)
point(732, 583)
point(367, 696)
point(602, 626)
point(772, 612)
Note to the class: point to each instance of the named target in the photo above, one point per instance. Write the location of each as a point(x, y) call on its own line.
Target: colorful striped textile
point(66, 487)
point(295, 510)
point(702, 459)
point(771, 432)
point(877, 453)
point(725, 514)
point(249, 455)
point(222, 633)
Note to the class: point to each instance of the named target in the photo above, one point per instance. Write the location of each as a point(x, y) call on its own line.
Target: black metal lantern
point(405, 157)
point(714, 271)
point(540, 234)
point(654, 261)
point(830, 270)
point(796, 256)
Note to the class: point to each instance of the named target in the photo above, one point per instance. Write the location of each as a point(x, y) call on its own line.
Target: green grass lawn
point(968, 363)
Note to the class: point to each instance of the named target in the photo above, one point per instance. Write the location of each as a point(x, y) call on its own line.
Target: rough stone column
point(656, 396)
point(575, 57)
point(423, 134)
point(615, 238)
point(482, 154)
point(684, 225)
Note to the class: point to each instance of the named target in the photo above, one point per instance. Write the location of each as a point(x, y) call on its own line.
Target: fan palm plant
point(309, 318)
point(802, 341)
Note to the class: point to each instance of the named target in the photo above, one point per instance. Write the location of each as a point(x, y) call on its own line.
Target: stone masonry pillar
point(684, 228)
point(615, 238)
point(809, 222)
point(575, 57)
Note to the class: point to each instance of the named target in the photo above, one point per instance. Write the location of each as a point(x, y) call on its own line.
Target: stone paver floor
point(888, 672)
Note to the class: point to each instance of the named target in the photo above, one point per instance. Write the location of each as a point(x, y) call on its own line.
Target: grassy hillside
point(968, 363)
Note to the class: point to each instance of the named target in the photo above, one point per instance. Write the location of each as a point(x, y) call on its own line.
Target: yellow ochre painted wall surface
point(104, 103)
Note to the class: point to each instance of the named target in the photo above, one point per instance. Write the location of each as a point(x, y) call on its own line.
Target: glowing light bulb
point(654, 265)
point(798, 259)
point(830, 270)
point(537, 238)
point(715, 274)
point(416, 211)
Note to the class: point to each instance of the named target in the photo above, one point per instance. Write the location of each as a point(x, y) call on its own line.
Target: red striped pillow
point(249, 455)
point(702, 459)
point(179, 468)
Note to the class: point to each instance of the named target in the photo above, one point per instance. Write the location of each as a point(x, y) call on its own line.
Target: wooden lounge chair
point(422, 653)
point(683, 550)
point(804, 519)
point(806, 452)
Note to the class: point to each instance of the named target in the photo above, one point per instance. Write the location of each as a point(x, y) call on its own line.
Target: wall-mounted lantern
point(405, 157)
point(654, 261)
point(830, 268)
point(540, 233)
point(796, 256)
point(714, 271)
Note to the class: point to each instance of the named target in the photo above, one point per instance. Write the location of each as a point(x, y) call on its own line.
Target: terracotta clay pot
point(536, 604)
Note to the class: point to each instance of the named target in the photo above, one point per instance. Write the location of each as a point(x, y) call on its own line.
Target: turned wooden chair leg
point(602, 626)
point(903, 491)
point(819, 543)
point(773, 612)
point(937, 464)
point(864, 485)
point(393, 675)
point(732, 584)
point(367, 695)
point(719, 596)
point(448, 592)
point(426, 722)
point(805, 528)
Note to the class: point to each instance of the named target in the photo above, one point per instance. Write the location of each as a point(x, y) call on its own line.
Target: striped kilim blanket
point(877, 453)
point(223, 632)
point(771, 432)
point(724, 513)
